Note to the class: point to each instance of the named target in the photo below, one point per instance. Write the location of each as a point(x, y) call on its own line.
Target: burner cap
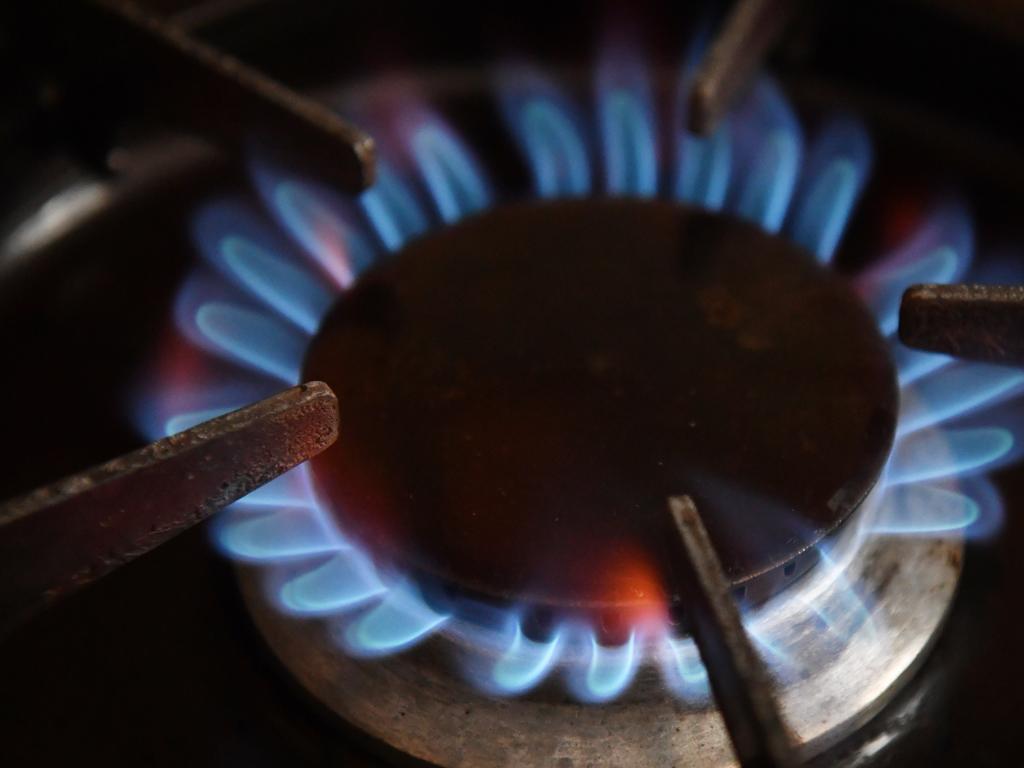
point(521, 392)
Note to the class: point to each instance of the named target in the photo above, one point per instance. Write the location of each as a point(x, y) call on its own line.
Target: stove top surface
point(160, 664)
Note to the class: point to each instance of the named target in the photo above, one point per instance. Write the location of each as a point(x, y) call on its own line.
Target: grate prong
point(739, 681)
point(64, 536)
point(733, 58)
point(158, 68)
point(974, 322)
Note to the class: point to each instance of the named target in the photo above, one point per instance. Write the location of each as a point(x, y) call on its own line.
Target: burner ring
point(521, 392)
point(840, 677)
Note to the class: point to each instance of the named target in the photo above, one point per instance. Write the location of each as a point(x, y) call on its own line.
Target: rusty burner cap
point(519, 393)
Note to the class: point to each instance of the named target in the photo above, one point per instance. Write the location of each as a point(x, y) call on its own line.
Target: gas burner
point(627, 471)
point(535, 381)
point(841, 642)
point(522, 371)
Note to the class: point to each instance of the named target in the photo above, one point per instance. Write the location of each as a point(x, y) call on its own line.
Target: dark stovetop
point(158, 665)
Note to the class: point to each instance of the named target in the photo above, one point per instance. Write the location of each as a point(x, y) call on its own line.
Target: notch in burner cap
point(738, 680)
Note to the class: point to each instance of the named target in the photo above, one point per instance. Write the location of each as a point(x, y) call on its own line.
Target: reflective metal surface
point(853, 631)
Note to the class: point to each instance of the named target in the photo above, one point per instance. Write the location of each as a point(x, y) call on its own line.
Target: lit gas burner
point(534, 382)
point(522, 384)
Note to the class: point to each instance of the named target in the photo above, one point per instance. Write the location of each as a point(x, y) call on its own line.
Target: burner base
point(844, 659)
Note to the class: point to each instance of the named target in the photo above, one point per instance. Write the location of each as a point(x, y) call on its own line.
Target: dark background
point(157, 665)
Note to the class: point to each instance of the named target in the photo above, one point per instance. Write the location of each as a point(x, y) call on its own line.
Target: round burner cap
point(521, 392)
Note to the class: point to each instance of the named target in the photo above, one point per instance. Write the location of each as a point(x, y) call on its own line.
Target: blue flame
point(452, 176)
point(269, 294)
point(393, 210)
point(269, 536)
point(960, 389)
point(990, 507)
point(942, 265)
point(336, 245)
point(934, 454)
point(626, 119)
point(233, 240)
point(525, 663)
point(164, 408)
point(846, 611)
point(924, 510)
point(835, 173)
point(323, 226)
point(549, 133)
point(912, 365)
point(768, 146)
point(252, 338)
point(399, 621)
point(183, 421)
point(294, 293)
point(292, 489)
point(940, 252)
point(346, 580)
point(608, 672)
point(683, 670)
point(770, 652)
point(215, 319)
point(703, 164)
point(703, 168)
